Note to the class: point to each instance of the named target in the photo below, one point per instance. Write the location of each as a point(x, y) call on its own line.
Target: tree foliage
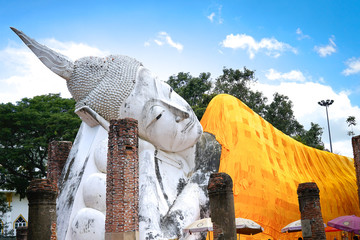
point(27, 127)
point(199, 91)
point(280, 114)
point(351, 121)
point(312, 137)
point(238, 84)
point(195, 90)
point(4, 207)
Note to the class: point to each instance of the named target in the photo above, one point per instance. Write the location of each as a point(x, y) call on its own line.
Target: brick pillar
point(53, 231)
point(21, 233)
point(58, 152)
point(312, 223)
point(356, 150)
point(41, 194)
point(222, 206)
point(122, 181)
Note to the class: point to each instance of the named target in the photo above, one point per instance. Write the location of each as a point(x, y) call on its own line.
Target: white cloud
point(26, 76)
point(321, 79)
point(271, 46)
point(216, 17)
point(353, 66)
point(158, 42)
point(305, 97)
point(293, 75)
point(301, 35)
point(164, 38)
point(327, 50)
point(169, 41)
point(211, 17)
point(74, 50)
point(146, 44)
point(220, 20)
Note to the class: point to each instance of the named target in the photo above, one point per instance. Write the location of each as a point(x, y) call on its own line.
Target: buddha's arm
point(193, 202)
point(149, 202)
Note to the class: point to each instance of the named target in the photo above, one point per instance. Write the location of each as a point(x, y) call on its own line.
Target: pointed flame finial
point(55, 61)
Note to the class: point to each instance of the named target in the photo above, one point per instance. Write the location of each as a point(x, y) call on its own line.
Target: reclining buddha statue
point(175, 157)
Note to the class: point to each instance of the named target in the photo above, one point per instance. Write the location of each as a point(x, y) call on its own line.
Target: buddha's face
point(165, 119)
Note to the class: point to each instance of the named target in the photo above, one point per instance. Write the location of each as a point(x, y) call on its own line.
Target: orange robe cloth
point(267, 166)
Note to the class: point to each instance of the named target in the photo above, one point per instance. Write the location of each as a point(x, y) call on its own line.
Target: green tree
point(27, 127)
point(351, 121)
point(195, 90)
point(4, 207)
point(238, 84)
point(280, 114)
point(312, 137)
point(198, 92)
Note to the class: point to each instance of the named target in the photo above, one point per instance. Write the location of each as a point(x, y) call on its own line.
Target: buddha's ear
point(55, 61)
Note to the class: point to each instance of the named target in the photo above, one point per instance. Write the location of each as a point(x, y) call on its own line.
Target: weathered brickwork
point(122, 182)
point(58, 152)
point(312, 223)
point(356, 150)
point(222, 206)
point(41, 194)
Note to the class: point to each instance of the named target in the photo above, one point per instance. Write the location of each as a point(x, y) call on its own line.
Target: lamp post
point(326, 104)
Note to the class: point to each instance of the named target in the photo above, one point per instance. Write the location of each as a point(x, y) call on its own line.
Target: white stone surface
point(79, 168)
point(87, 224)
point(94, 192)
point(100, 155)
point(168, 132)
point(165, 163)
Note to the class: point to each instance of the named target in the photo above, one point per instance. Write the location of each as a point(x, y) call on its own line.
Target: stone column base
point(122, 236)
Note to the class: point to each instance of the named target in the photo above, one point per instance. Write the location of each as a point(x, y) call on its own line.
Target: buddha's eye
point(171, 90)
point(154, 114)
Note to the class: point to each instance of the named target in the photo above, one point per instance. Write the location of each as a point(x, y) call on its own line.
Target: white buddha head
point(165, 118)
point(118, 87)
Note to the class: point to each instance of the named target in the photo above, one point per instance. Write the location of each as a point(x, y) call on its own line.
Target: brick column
point(58, 152)
point(356, 150)
point(21, 233)
point(312, 223)
point(53, 230)
point(222, 206)
point(41, 194)
point(122, 181)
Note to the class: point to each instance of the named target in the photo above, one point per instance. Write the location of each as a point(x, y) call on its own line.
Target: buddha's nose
point(184, 116)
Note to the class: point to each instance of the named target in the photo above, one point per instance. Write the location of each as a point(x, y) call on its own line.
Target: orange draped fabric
point(267, 166)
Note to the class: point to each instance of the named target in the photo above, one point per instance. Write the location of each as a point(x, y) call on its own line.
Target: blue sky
point(307, 50)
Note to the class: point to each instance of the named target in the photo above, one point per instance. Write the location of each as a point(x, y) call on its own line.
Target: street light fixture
point(326, 104)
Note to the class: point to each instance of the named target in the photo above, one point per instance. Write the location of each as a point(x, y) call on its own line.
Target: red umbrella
point(349, 223)
point(331, 229)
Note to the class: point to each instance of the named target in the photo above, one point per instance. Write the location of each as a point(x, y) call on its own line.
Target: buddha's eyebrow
point(179, 110)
